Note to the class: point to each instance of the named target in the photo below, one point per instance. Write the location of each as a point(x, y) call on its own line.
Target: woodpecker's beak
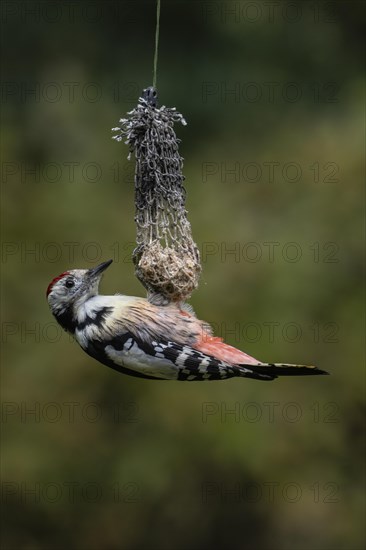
point(95, 271)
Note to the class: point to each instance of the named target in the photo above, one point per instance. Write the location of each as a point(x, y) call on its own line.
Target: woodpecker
point(137, 337)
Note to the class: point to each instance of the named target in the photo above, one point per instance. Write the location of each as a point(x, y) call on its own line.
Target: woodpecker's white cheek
point(134, 358)
point(58, 302)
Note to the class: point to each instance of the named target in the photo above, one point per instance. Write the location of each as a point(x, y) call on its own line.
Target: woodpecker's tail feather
point(270, 371)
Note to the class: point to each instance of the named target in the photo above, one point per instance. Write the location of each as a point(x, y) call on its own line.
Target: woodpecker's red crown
point(50, 286)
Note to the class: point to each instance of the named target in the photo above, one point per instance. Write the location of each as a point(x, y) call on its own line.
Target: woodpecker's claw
point(99, 269)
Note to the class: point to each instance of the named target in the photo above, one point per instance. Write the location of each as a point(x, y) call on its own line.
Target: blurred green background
point(274, 98)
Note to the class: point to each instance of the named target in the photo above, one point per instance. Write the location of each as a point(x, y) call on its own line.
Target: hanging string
point(156, 42)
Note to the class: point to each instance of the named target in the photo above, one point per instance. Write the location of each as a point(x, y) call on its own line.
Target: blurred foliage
point(164, 473)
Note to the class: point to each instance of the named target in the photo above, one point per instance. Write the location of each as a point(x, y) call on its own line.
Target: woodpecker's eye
point(69, 283)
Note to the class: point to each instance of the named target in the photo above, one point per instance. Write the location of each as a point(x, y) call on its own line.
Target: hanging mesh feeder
point(166, 258)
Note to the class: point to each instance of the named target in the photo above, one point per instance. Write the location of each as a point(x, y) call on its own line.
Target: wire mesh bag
point(166, 258)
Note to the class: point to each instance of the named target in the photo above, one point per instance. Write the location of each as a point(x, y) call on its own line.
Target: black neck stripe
point(66, 320)
point(98, 319)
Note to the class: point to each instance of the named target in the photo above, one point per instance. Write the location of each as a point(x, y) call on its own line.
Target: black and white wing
point(165, 360)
